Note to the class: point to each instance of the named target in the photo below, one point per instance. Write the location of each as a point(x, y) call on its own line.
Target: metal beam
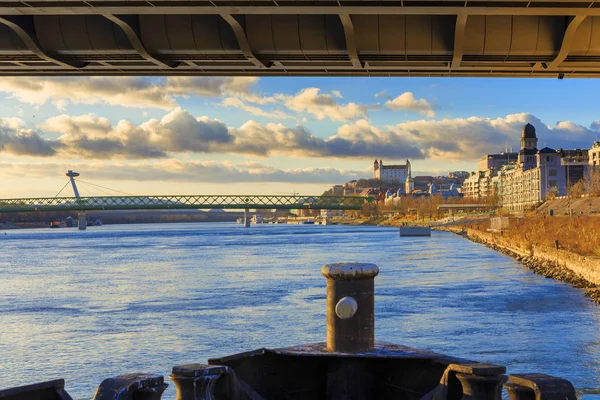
point(240, 35)
point(23, 26)
point(184, 202)
point(131, 27)
point(101, 9)
point(565, 47)
point(350, 40)
point(459, 39)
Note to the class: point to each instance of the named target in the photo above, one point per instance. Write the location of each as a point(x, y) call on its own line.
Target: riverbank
point(578, 270)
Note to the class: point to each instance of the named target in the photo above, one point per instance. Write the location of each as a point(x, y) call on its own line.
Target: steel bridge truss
point(263, 202)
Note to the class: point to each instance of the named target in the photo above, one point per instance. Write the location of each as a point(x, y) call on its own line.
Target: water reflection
point(88, 305)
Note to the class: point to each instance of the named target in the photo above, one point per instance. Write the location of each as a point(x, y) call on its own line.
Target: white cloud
point(179, 132)
point(323, 106)
point(174, 170)
point(407, 101)
point(238, 103)
point(136, 92)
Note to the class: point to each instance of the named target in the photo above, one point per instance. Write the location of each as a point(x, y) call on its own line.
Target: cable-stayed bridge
point(175, 202)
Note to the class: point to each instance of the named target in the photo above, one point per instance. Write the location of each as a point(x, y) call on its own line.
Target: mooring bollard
point(204, 382)
point(350, 306)
point(131, 387)
point(538, 387)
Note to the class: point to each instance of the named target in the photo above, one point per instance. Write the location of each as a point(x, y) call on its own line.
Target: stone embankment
point(579, 271)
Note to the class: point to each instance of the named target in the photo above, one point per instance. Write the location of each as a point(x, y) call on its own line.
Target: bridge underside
point(301, 37)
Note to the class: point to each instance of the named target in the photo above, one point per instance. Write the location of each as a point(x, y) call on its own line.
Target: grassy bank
point(577, 234)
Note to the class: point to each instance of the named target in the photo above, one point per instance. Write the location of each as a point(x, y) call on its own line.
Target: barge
point(349, 365)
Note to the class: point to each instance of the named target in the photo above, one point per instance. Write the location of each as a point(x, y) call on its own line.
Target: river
point(88, 305)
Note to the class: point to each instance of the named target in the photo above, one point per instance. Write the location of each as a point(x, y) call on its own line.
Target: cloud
point(179, 132)
point(407, 101)
point(238, 103)
point(307, 101)
point(469, 139)
point(323, 106)
point(182, 171)
point(17, 140)
point(136, 92)
point(381, 95)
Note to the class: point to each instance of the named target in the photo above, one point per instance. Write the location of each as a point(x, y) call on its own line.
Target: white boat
point(415, 231)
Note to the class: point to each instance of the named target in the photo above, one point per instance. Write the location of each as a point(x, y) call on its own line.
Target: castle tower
point(376, 170)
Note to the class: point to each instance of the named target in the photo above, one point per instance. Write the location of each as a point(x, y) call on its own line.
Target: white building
point(399, 173)
point(531, 179)
point(594, 154)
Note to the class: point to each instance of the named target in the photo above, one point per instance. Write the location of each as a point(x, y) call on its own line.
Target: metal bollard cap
point(347, 271)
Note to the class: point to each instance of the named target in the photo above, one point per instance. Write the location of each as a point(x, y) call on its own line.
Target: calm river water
point(142, 298)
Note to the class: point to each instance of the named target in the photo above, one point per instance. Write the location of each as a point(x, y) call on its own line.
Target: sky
point(247, 135)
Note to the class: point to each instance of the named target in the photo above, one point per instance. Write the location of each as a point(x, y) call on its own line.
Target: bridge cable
point(63, 188)
point(93, 188)
point(114, 190)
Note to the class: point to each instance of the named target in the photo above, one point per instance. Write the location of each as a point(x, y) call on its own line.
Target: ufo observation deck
point(300, 38)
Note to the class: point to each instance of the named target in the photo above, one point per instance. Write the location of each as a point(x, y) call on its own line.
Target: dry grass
point(576, 234)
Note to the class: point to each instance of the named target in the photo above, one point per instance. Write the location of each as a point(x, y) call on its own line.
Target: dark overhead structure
point(299, 37)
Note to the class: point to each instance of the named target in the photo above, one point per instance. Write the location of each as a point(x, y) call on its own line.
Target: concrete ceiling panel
point(285, 34)
point(10, 41)
point(48, 32)
point(74, 33)
point(594, 49)
point(312, 34)
point(524, 36)
point(587, 38)
point(550, 34)
point(366, 28)
point(392, 34)
point(179, 33)
point(211, 33)
point(105, 36)
point(153, 32)
point(418, 34)
point(334, 35)
point(229, 42)
point(498, 35)
point(442, 34)
point(475, 35)
point(259, 31)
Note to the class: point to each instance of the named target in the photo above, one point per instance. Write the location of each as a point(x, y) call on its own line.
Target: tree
point(577, 190)
point(592, 182)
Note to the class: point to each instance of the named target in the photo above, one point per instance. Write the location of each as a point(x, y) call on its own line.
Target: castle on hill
point(398, 173)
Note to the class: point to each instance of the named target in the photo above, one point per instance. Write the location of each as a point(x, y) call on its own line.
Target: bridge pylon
point(247, 218)
point(82, 221)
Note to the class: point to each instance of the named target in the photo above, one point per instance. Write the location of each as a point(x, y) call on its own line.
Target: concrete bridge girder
point(500, 38)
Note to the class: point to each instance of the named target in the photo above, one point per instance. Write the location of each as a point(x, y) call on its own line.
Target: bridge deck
point(559, 38)
point(265, 202)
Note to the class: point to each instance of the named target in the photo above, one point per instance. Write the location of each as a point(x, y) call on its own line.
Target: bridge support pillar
point(82, 221)
point(246, 218)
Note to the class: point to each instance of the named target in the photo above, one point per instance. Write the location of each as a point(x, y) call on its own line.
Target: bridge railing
point(176, 202)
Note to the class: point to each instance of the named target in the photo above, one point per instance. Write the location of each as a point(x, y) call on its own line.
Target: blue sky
point(271, 135)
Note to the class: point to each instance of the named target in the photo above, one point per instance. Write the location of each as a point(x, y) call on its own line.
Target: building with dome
point(524, 179)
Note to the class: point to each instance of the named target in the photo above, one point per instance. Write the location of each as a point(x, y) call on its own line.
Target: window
point(552, 184)
point(547, 158)
point(552, 172)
